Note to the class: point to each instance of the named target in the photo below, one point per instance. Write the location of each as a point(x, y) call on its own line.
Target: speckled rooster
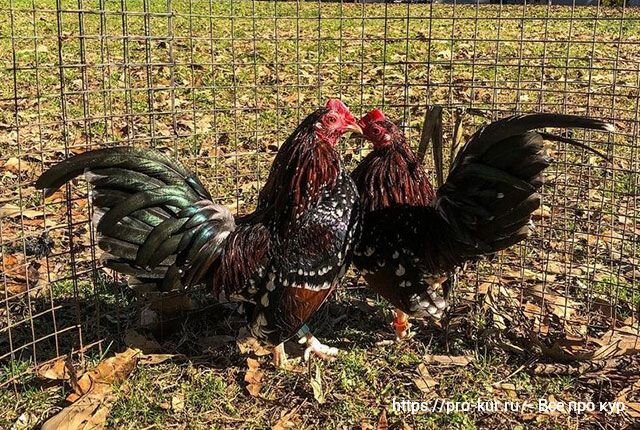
point(158, 224)
point(413, 238)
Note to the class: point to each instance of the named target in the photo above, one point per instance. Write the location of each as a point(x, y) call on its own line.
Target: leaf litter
point(92, 396)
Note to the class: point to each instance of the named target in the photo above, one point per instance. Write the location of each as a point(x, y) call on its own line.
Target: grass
point(219, 85)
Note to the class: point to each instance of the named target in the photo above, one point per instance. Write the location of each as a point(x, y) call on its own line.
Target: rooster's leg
point(314, 346)
point(401, 324)
point(279, 355)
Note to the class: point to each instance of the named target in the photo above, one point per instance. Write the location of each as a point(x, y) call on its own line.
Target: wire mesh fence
point(219, 85)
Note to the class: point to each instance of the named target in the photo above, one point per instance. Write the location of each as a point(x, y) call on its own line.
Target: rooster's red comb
point(373, 116)
point(339, 106)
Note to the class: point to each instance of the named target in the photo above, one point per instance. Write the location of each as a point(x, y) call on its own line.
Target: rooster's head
point(335, 120)
point(378, 129)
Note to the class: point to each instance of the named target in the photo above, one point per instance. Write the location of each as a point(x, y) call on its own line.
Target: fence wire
point(219, 85)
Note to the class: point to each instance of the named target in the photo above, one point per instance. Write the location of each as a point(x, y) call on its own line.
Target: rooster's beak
point(354, 128)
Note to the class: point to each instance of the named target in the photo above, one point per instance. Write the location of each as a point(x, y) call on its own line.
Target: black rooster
point(413, 238)
point(158, 224)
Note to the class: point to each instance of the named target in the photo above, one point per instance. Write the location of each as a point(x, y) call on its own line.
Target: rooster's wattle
point(413, 238)
point(157, 224)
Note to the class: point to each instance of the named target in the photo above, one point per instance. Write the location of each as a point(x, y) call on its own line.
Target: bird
point(413, 237)
point(157, 224)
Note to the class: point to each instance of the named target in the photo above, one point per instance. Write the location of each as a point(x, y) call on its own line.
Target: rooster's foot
point(401, 325)
point(318, 348)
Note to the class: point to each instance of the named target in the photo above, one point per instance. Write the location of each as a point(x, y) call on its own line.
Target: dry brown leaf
point(424, 381)
point(532, 309)
point(57, 370)
point(20, 273)
point(13, 211)
point(134, 339)
point(112, 370)
point(490, 282)
point(560, 305)
point(88, 413)
point(383, 423)
point(449, 360)
point(365, 425)
point(618, 343)
point(248, 344)
point(12, 165)
point(555, 267)
point(93, 396)
point(631, 408)
point(507, 388)
point(16, 273)
point(528, 274)
point(253, 377)
point(152, 359)
point(287, 420)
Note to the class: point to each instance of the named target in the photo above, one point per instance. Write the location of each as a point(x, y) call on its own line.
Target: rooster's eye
point(331, 118)
point(377, 131)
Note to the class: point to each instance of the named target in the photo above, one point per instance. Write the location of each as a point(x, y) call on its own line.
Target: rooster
point(413, 238)
point(158, 224)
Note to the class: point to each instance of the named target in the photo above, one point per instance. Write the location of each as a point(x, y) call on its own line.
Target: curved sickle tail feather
point(155, 220)
point(492, 189)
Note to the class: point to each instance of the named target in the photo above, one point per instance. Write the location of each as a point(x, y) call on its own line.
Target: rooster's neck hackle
point(392, 176)
point(304, 167)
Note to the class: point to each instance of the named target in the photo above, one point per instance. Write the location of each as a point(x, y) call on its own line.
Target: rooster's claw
point(318, 348)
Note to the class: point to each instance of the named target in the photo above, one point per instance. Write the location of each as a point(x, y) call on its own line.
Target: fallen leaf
point(253, 377)
point(112, 370)
point(560, 305)
point(365, 425)
point(286, 420)
point(12, 165)
point(484, 287)
point(247, 343)
point(152, 359)
point(19, 273)
point(316, 385)
point(134, 339)
point(93, 397)
point(425, 381)
point(383, 423)
point(631, 408)
point(13, 211)
point(57, 370)
point(617, 342)
point(507, 388)
point(449, 360)
point(88, 413)
point(528, 274)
